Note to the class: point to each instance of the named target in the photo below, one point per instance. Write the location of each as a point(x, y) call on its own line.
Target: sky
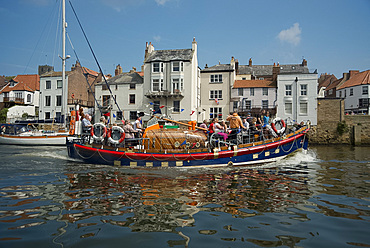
point(333, 36)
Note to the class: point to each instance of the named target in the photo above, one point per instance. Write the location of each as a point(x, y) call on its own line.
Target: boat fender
point(177, 144)
point(230, 163)
point(111, 140)
point(272, 131)
point(281, 123)
point(100, 138)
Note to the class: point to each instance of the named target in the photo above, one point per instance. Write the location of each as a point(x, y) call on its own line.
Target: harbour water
point(318, 199)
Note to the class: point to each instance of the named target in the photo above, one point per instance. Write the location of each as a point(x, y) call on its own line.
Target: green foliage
point(25, 115)
point(342, 127)
point(3, 113)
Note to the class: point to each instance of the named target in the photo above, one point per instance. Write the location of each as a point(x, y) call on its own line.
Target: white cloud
point(119, 5)
point(291, 35)
point(157, 38)
point(161, 2)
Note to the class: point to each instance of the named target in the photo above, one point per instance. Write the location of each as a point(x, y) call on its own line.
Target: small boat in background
point(160, 147)
point(18, 134)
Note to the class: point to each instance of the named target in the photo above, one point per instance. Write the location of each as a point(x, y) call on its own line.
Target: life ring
point(281, 123)
point(113, 141)
point(95, 136)
point(72, 123)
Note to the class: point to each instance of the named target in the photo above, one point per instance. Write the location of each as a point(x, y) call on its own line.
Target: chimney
point(353, 72)
point(250, 62)
point(237, 66)
point(133, 70)
point(304, 62)
point(275, 72)
point(118, 70)
point(206, 66)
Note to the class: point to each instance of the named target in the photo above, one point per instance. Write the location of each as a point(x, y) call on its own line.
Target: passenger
point(260, 118)
point(129, 131)
point(221, 129)
point(246, 123)
point(235, 121)
point(204, 124)
point(266, 119)
point(137, 124)
point(212, 128)
point(103, 120)
point(86, 124)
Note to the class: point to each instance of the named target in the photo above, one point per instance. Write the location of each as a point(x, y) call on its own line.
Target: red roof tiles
point(357, 79)
point(24, 83)
point(254, 84)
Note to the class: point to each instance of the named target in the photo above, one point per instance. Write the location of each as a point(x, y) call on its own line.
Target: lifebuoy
point(281, 123)
point(72, 123)
point(113, 141)
point(102, 136)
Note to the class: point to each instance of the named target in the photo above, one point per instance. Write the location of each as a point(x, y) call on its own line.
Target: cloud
point(157, 38)
point(291, 35)
point(161, 2)
point(119, 5)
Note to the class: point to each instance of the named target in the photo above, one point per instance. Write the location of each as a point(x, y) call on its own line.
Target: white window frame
point(156, 69)
point(288, 89)
point(265, 91)
point(179, 85)
point(303, 89)
point(303, 108)
point(176, 108)
point(58, 101)
point(48, 103)
point(240, 91)
point(215, 112)
point(177, 66)
point(351, 92)
point(251, 91)
point(365, 90)
point(215, 94)
point(264, 105)
point(59, 84)
point(215, 78)
point(160, 85)
point(48, 84)
point(288, 108)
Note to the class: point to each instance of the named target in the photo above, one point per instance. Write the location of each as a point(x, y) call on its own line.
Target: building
point(355, 92)
point(80, 84)
point(128, 90)
point(323, 82)
point(171, 82)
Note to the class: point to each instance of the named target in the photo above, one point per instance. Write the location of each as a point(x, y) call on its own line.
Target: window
point(47, 100)
point(176, 106)
point(365, 90)
point(59, 101)
point(340, 93)
point(156, 105)
point(106, 101)
point(288, 90)
point(240, 92)
point(132, 98)
point(59, 84)
point(345, 93)
point(58, 116)
point(177, 66)
point(215, 112)
point(303, 108)
point(235, 105)
point(47, 115)
point(265, 104)
point(288, 108)
point(116, 86)
point(157, 67)
point(303, 89)
point(265, 91)
point(28, 98)
point(132, 86)
point(156, 86)
point(104, 87)
point(177, 85)
point(363, 103)
point(217, 78)
point(248, 104)
point(252, 91)
point(351, 92)
point(18, 95)
point(215, 94)
point(133, 115)
point(48, 85)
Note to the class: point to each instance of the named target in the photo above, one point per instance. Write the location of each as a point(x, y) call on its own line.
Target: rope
point(282, 147)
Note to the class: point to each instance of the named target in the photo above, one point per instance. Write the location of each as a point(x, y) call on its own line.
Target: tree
point(3, 114)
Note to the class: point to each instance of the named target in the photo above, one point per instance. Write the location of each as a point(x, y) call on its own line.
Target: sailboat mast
point(64, 90)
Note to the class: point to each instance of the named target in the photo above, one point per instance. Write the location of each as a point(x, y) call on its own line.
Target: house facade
point(297, 97)
point(128, 90)
point(215, 91)
point(171, 82)
point(80, 84)
point(355, 92)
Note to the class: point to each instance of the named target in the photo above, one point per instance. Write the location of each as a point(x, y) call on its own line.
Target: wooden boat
point(14, 134)
point(184, 148)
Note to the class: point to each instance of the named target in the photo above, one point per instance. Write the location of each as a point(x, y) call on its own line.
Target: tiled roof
point(125, 78)
point(326, 80)
point(170, 55)
point(218, 68)
point(334, 84)
point(254, 84)
point(88, 71)
point(263, 70)
point(24, 83)
point(361, 78)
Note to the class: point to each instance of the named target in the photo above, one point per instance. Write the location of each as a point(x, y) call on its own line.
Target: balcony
point(255, 110)
point(80, 102)
point(16, 100)
point(164, 94)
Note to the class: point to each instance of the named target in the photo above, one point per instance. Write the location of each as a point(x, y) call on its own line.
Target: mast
point(64, 58)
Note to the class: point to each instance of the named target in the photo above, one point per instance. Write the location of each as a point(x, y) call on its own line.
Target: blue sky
point(333, 36)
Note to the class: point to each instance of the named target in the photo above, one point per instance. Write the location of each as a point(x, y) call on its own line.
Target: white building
point(297, 97)
point(355, 92)
point(171, 82)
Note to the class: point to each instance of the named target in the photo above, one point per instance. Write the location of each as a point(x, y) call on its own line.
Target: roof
point(326, 80)
point(254, 84)
point(88, 71)
point(170, 55)
point(262, 70)
point(362, 78)
point(125, 78)
point(218, 68)
point(334, 84)
point(29, 83)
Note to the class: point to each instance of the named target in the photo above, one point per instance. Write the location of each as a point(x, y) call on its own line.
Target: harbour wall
point(333, 127)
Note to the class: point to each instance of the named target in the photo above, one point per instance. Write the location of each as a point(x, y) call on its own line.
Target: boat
point(17, 134)
point(159, 147)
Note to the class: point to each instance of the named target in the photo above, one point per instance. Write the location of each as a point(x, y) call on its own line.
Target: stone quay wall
point(333, 127)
